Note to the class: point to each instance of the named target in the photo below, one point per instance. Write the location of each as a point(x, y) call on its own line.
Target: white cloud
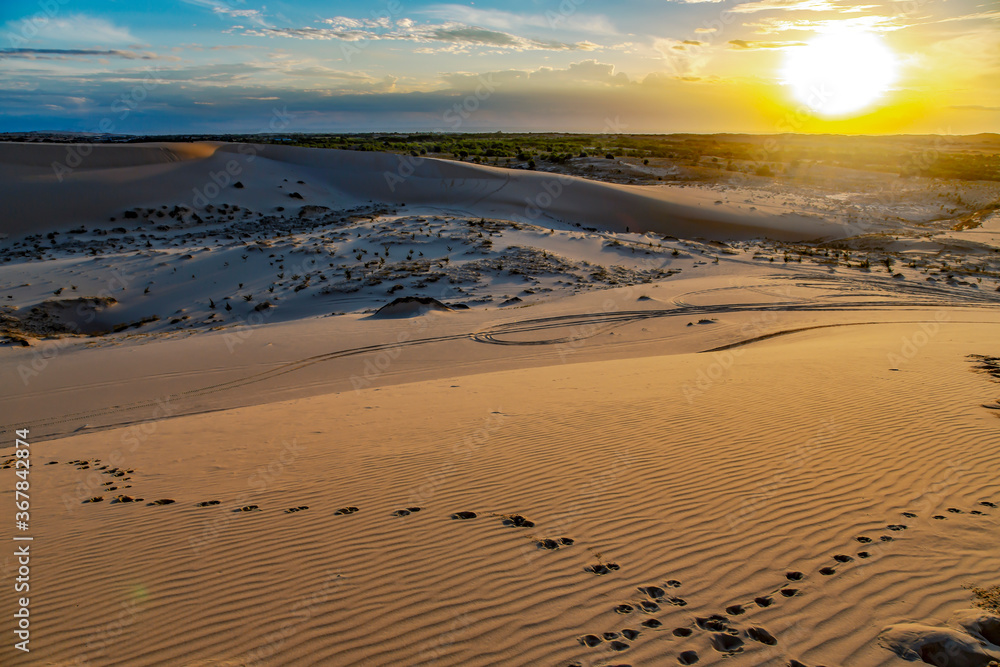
point(587, 73)
point(743, 45)
point(798, 5)
point(773, 26)
point(993, 15)
point(223, 8)
point(567, 18)
point(457, 36)
point(72, 30)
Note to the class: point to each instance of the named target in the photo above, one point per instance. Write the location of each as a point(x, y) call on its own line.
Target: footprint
point(649, 606)
point(764, 601)
point(125, 499)
point(624, 609)
point(954, 510)
point(842, 558)
point(651, 623)
point(554, 544)
point(896, 526)
point(248, 508)
point(939, 517)
point(909, 515)
point(789, 592)
point(673, 583)
point(863, 554)
point(602, 568)
point(794, 576)
point(617, 645)
point(292, 510)
point(347, 510)
point(735, 610)
point(863, 539)
point(163, 501)
point(464, 515)
point(406, 512)
point(590, 640)
point(683, 632)
point(630, 634)
point(713, 623)
point(207, 503)
point(986, 503)
point(724, 643)
point(827, 571)
point(688, 658)
point(978, 513)
point(654, 592)
point(761, 635)
point(885, 538)
point(608, 636)
point(95, 499)
point(677, 602)
point(518, 521)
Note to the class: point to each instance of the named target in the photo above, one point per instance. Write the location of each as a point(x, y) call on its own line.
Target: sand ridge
point(198, 174)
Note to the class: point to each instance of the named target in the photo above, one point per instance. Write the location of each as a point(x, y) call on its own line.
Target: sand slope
point(812, 442)
point(50, 186)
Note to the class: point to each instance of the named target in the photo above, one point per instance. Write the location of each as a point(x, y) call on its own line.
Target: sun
point(839, 74)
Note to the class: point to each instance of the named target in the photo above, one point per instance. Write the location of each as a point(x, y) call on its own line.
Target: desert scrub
point(986, 598)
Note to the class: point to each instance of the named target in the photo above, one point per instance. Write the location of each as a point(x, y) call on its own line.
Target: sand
point(665, 458)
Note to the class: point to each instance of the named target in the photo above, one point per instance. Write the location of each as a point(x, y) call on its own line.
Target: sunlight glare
point(840, 73)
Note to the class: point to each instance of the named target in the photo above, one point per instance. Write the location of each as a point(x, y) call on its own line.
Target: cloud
point(798, 5)
point(680, 59)
point(69, 30)
point(587, 73)
point(459, 35)
point(63, 54)
point(993, 15)
point(741, 44)
point(222, 8)
point(873, 23)
point(567, 19)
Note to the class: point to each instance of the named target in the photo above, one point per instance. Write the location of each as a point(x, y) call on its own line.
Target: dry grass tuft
point(987, 598)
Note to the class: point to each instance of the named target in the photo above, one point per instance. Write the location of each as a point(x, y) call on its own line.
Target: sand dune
point(101, 156)
point(709, 524)
point(113, 178)
point(625, 450)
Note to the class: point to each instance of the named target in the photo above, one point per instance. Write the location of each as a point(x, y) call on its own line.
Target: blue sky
point(563, 65)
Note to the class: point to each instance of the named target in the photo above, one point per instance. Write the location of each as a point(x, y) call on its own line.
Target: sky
point(636, 66)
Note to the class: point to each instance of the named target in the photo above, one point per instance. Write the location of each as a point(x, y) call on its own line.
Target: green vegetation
point(974, 157)
point(965, 158)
